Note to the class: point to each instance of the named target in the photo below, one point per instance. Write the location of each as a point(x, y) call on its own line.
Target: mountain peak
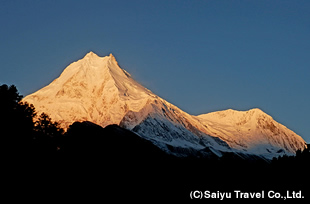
point(98, 90)
point(232, 115)
point(257, 110)
point(94, 89)
point(92, 58)
point(112, 59)
point(91, 54)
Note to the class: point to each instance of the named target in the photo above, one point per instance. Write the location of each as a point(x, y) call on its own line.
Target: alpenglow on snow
point(96, 89)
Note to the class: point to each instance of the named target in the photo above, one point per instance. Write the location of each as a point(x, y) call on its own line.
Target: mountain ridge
point(96, 89)
point(82, 83)
point(254, 126)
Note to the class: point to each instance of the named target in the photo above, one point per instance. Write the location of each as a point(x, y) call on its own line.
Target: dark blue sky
point(200, 55)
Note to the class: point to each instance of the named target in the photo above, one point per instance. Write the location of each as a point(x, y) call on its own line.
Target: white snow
point(252, 130)
point(96, 89)
point(93, 88)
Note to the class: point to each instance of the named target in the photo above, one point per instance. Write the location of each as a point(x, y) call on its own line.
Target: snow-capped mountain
point(96, 89)
point(252, 131)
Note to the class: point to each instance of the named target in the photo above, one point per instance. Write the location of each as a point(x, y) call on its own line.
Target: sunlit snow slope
point(96, 89)
point(253, 131)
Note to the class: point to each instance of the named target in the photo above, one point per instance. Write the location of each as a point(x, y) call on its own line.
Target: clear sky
point(200, 55)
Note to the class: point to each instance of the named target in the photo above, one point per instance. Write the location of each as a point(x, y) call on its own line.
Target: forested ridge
point(37, 152)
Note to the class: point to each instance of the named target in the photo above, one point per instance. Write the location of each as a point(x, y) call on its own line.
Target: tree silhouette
point(16, 121)
point(47, 135)
point(298, 162)
point(45, 126)
point(21, 133)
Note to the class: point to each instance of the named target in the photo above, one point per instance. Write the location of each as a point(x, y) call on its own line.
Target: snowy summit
point(96, 89)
